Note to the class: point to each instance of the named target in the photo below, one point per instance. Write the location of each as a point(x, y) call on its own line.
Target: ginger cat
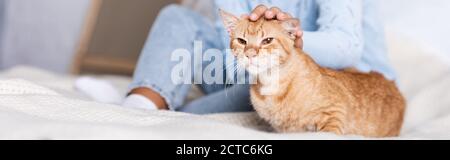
point(304, 96)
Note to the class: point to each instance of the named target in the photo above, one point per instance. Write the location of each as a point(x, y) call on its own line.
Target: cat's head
point(260, 45)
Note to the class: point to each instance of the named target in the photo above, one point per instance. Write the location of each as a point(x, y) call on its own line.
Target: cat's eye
point(267, 41)
point(242, 41)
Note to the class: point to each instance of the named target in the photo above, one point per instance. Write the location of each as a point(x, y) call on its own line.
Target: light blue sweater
point(338, 33)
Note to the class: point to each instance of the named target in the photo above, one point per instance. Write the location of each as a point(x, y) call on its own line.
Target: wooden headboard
point(113, 35)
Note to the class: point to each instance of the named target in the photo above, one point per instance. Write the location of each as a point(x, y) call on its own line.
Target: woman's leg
point(232, 94)
point(175, 28)
point(233, 99)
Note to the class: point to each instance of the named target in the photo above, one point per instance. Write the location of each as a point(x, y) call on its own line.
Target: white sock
point(139, 101)
point(99, 90)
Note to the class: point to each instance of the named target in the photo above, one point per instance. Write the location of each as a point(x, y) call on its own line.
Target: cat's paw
point(311, 128)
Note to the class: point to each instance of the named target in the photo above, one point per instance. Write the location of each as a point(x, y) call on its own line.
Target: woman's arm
point(338, 43)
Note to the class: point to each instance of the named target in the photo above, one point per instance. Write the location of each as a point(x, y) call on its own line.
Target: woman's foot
point(158, 101)
point(104, 92)
point(139, 101)
point(98, 90)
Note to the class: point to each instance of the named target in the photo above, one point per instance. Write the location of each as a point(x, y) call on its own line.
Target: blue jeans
point(178, 27)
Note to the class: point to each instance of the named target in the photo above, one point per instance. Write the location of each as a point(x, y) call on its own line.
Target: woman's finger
point(283, 16)
point(299, 37)
point(258, 12)
point(299, 33)
point(295, 22)
point(299, 43)
point(272, 13)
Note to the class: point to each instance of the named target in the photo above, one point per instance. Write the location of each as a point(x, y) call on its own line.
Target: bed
point(38, 104)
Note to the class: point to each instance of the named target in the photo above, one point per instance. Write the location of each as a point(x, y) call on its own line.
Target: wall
point(424, 21)
point(42, 33)
point(123, 27)
point(2, 13)
point(119, 35)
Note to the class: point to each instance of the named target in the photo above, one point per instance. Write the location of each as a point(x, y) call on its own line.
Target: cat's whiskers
point(228, 81)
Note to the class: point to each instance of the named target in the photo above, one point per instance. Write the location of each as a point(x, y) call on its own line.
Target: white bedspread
point(36, 104)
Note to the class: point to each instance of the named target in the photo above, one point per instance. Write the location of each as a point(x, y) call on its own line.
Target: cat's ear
point(291, 26)
point(229, 20)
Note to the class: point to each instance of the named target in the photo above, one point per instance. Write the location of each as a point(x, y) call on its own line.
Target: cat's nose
point(251, 53)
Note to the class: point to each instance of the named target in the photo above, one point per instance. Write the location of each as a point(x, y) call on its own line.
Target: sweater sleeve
point(338, 42)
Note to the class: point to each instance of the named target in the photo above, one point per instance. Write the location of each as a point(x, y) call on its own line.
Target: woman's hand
point(275, 13)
